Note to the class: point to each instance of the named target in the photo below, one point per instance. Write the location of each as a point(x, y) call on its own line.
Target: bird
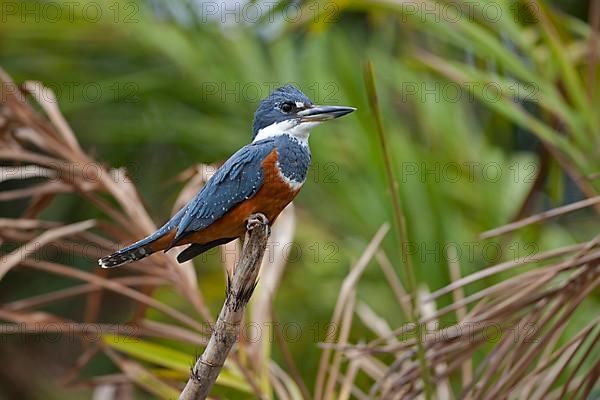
point(263, 176)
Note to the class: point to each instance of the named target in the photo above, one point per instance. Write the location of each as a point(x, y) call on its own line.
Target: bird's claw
point(256, 220)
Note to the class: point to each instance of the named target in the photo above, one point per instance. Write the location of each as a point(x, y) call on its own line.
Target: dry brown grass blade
point(18, 255)
point(505, 384)
point(551, 331)
point(60, 152)
point(24, 224)
point(101, 380)
point(560, 366)
point(532, 382)
point(572, 377)
point(163, 330)
point(273, 265)
point(83, 359)
point(124, 231)
point(30, 120)
point(458, 296)
point(427, 310)
point(280, 389)
point(113, 286)
point(137, 373)
point(94, 298)
point(25, 172)
point(285, 383)
point(365, 361)
point(370, 365)
point(196, 177)
point(519, 281)
point(334, 369)
point(348, 380)
point(47, 99)
point(37, 204)
point(402, 297)
point(41, 323)
point(374, 322)
point(287, 357)
point(586, 331)
point(346, 293)
point(22, 155)
point(502, 267)
point(402, 331)
point(541, 217)
point(51, 187)
point(73, 291)
point(502, 356)
point(35, 318)
point(38, 322)
point(122, 189)
point(546, 296)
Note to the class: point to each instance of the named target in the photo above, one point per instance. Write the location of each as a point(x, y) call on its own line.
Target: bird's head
point(288, 111)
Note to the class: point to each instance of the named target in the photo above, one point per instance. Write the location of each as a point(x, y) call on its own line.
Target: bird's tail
point(159, 240)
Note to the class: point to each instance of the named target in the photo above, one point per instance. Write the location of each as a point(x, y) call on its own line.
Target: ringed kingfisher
point(262, 177)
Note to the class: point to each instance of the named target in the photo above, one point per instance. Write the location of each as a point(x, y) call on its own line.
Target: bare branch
point(227, 328)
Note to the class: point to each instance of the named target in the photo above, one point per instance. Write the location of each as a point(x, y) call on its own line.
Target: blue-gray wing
point(237, 180)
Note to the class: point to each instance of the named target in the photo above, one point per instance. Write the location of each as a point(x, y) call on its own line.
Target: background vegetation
point(490, 111)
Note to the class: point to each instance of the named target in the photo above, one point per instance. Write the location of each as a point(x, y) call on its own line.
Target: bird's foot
point(257, 220)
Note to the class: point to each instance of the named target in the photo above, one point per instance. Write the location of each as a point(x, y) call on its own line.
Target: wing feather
point(237, 180)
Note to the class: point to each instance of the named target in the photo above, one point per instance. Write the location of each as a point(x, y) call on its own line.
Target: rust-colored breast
point(274, 195)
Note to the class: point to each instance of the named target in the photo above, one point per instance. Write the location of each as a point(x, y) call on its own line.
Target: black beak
point(323, 113)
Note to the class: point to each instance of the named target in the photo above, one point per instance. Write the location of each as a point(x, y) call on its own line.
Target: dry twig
point(227, 328)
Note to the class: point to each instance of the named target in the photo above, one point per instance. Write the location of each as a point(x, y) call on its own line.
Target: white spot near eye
point(299, 104)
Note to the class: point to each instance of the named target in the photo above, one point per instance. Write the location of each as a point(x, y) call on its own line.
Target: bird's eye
point(287, 107)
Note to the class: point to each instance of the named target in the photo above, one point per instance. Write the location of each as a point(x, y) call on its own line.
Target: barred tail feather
point(159, 240)
point(126, 255)
point(141, 249)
